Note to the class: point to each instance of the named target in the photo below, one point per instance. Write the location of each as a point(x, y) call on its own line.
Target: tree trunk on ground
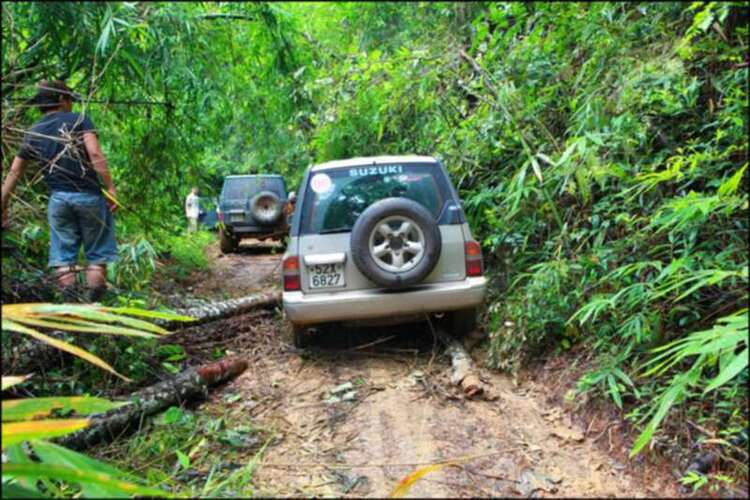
point(224, 309)
point(464, 369)
point(34, 355)
point(190, 384)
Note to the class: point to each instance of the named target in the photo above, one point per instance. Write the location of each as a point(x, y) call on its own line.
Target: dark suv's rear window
point(243, 187)
point(335, 198)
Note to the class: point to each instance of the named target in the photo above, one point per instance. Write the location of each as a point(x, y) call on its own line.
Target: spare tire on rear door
point(265, 207)
point(396, 242)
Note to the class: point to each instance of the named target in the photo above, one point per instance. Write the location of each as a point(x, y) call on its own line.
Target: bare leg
point(66, 280)
point(96, 281)
point(66, 276)
point(96, 275)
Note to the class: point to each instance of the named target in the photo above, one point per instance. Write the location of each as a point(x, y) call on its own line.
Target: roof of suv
point(373, 160)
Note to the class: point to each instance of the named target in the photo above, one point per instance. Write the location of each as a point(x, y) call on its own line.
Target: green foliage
point(196, 454)
point(188, 251)
point(724, 347)
point(135, 264)
point(56, 470)
point(601, 152)
point(600, 148)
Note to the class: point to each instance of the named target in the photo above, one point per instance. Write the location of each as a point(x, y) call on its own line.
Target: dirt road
point(352, 419)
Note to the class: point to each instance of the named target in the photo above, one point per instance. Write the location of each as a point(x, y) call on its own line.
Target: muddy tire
point(396, 242)
point(227, 244)
point(266, 207)
point(462, 322)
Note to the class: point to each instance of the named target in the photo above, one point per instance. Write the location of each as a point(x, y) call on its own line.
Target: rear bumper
point(308, 309)
point(249, 230)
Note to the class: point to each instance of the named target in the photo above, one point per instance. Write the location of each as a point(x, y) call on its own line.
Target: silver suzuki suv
point(380, 240)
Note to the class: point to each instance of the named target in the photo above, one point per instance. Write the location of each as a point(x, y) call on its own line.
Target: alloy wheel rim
point(397, 244)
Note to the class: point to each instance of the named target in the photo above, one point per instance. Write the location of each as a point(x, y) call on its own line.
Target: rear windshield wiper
point(335, 230)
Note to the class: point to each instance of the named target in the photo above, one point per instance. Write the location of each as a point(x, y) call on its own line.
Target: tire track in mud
point(517, 451)
point(398, 422)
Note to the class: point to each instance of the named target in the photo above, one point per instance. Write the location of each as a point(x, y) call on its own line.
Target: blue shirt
point(56, 143)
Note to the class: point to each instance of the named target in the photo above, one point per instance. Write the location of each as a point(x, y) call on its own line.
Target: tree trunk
point(190, 384)
point(28, 356)
point(464, 369)
point(224, 309)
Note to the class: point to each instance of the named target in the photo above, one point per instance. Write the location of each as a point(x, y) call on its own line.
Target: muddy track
point(353, 421)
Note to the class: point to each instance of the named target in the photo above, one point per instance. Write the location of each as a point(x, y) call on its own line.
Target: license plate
point(326, 275)
point(237, 218)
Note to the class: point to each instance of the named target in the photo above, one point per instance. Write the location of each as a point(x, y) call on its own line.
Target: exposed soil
point(399, 414)
point(255, 266)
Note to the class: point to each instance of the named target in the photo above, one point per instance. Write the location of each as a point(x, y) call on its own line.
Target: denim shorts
point(80, 218)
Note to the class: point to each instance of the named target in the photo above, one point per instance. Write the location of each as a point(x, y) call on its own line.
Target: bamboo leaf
point(738, 364)
point(30, 408)
point(16, 432)
point(53, 454)
point(62, 345)
point(614, 391)
point(151, 314)
point(72, 325)
point(405, 484)
point(17, 454)
point(106, 315)
point(10, 381)
point(665, 402)
point(537, 169)
point(79, 477)
point(12, 490)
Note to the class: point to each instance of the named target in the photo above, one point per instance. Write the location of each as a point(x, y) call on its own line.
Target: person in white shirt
point(192, 210)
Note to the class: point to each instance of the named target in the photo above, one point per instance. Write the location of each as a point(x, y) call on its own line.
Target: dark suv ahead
point(251, 206)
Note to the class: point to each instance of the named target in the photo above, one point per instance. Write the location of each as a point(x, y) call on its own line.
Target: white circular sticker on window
point(321, 183)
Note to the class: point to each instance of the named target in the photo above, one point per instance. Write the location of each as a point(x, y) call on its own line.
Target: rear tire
point(301, 338)
point(463, 321)
point(227, 243)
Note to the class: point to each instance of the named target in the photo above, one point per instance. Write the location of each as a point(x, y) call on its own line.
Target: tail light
point(474, 265)
point(291, 274)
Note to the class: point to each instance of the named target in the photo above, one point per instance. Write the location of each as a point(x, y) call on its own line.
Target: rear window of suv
point(243, 187)
point(335, 198)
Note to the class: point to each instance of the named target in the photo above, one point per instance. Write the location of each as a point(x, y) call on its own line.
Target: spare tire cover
point(396, 242)
point(265, 207)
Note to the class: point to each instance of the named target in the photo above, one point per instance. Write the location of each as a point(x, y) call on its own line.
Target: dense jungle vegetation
point(600, 148)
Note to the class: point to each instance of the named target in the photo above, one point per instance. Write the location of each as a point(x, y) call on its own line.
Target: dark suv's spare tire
point(396, 242)
point(265, 207)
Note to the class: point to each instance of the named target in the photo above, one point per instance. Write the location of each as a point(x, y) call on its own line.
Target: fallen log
point(464, 369)
point(193, 383)
point(30, 356)
point(223, 309)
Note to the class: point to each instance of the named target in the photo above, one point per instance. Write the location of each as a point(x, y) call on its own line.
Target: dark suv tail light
point(473, 252)
point(291, 274)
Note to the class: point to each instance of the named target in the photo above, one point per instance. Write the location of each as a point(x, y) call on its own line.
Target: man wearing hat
point(65, 146)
